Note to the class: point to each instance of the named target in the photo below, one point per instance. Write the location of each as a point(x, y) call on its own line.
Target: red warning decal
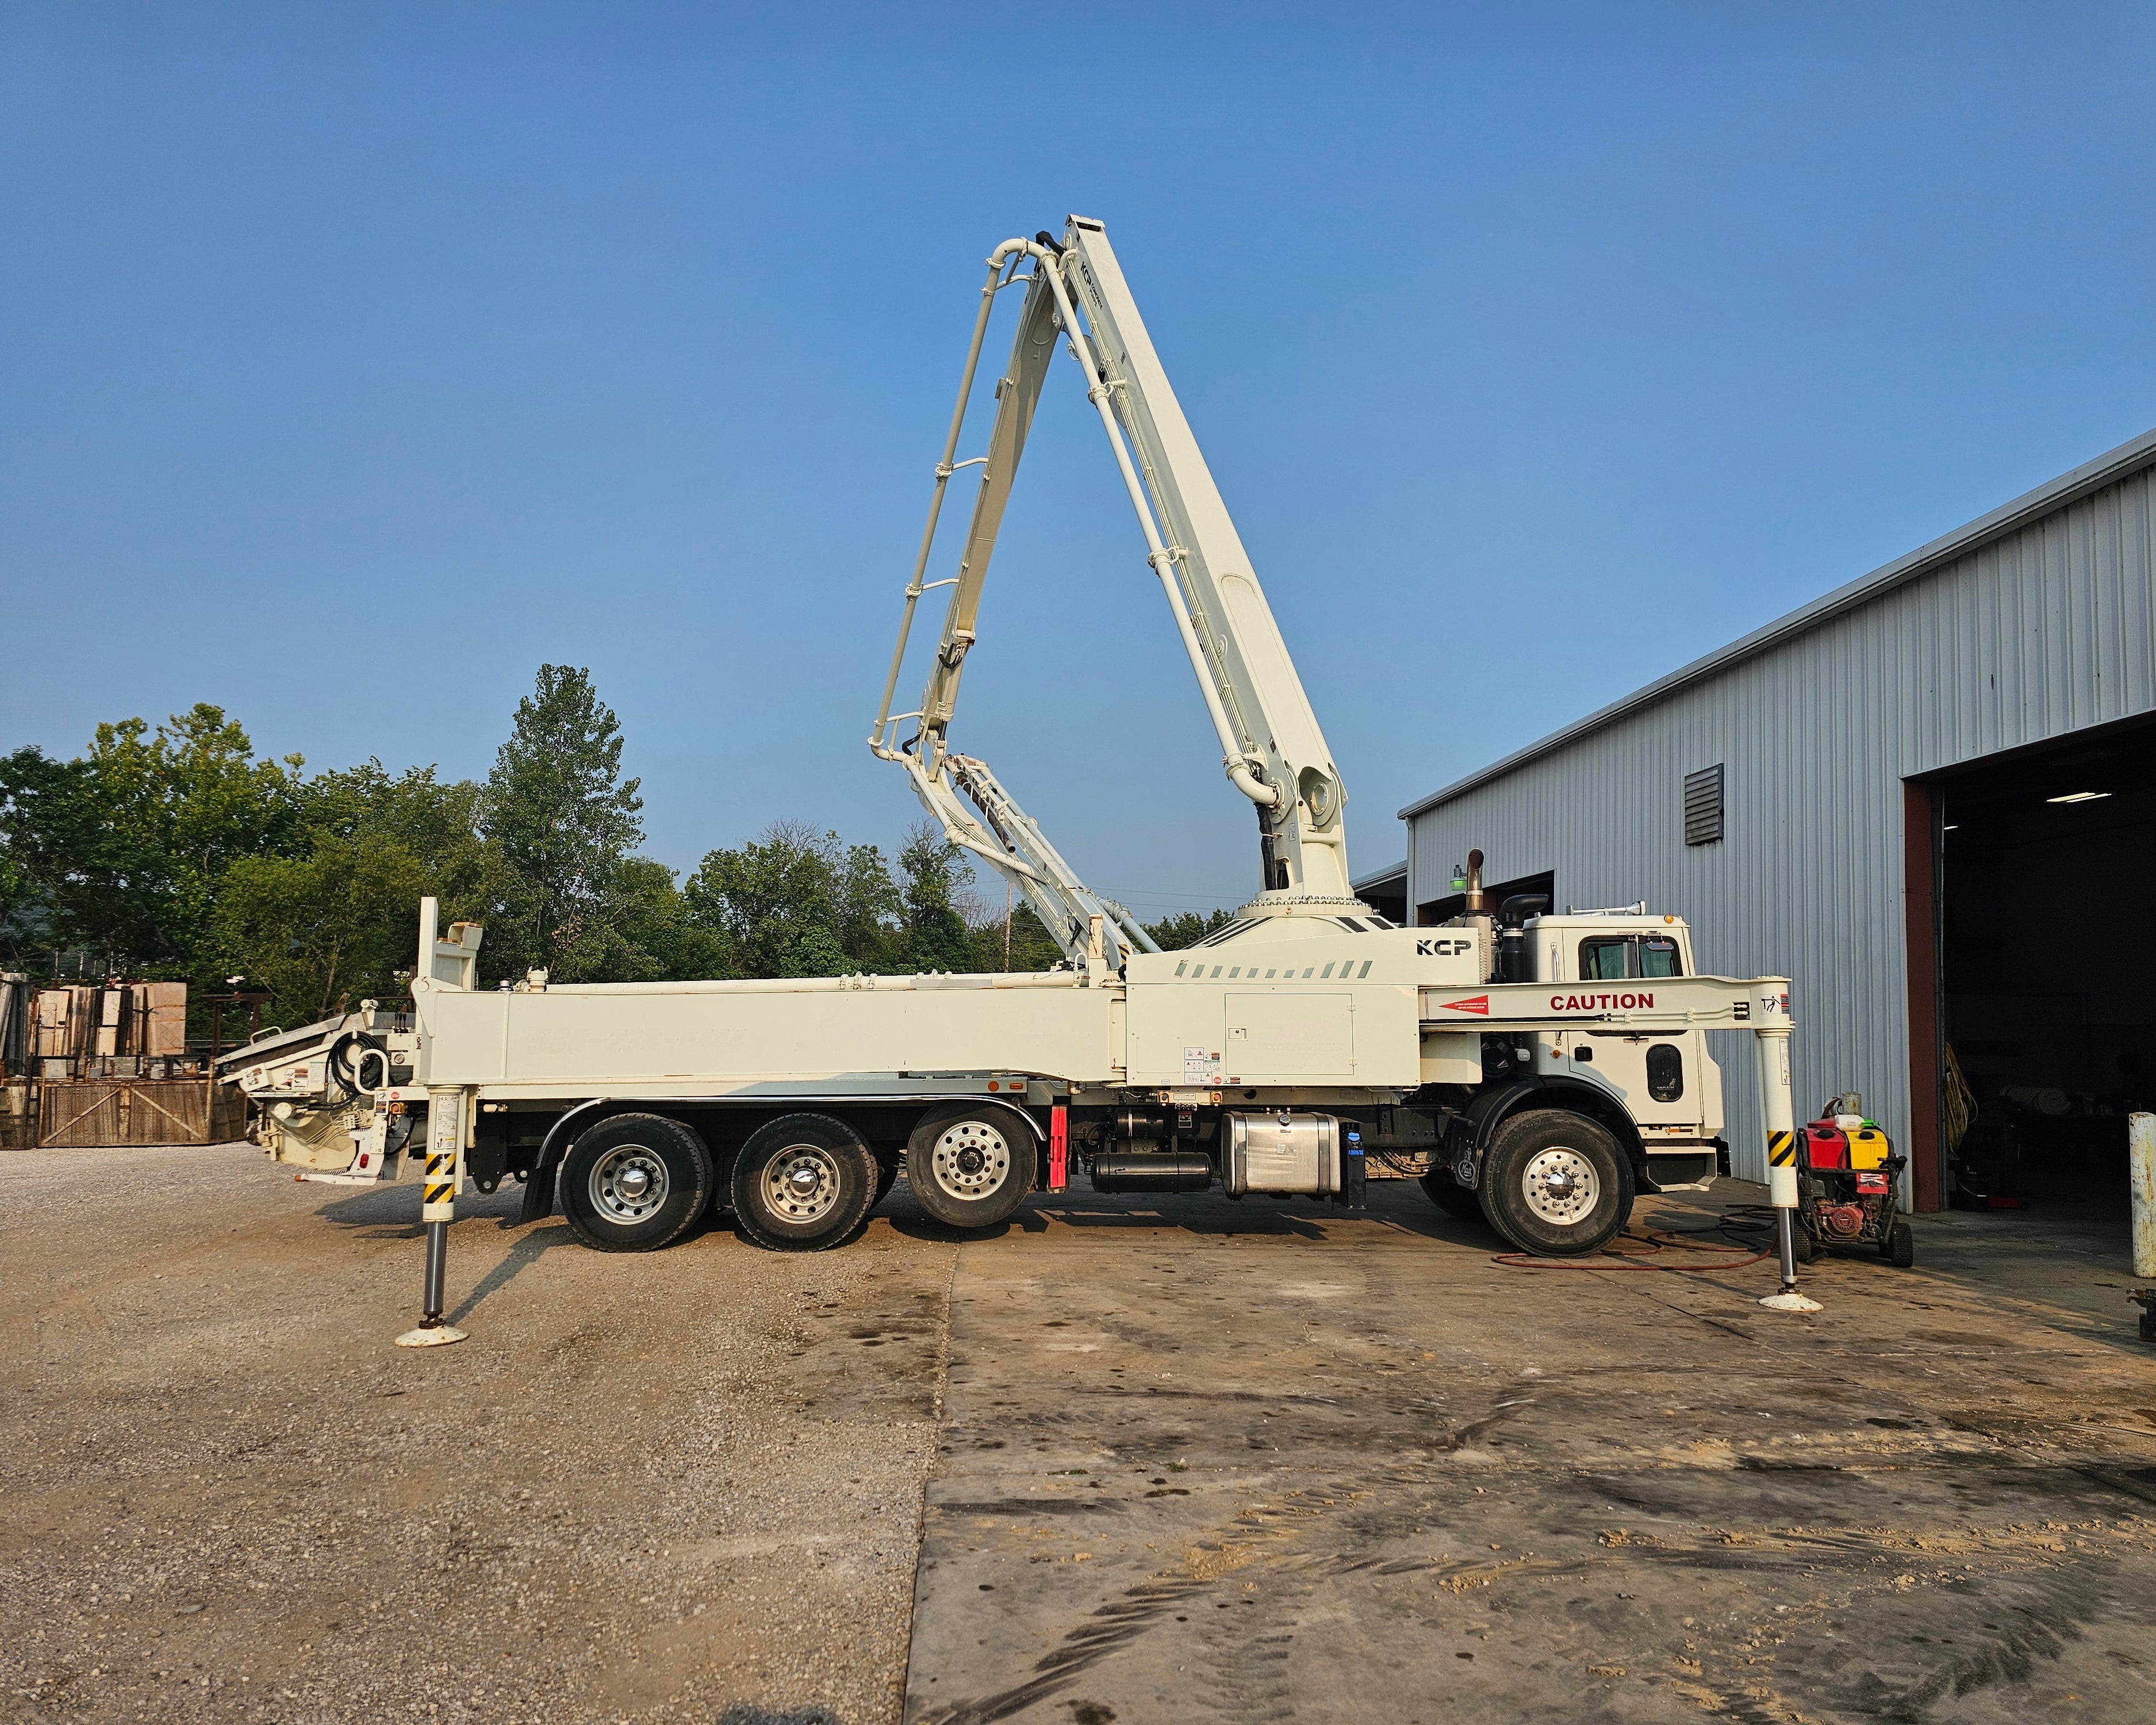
point(1480, 1004)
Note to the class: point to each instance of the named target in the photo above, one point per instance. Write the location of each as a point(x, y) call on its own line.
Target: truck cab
point(1665, 1080)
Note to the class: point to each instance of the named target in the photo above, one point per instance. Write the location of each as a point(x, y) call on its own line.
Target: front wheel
point(634, 1182)
point(803, 1183)
point(1556, 1183)
point(970, 1167)
point(1461, 1202)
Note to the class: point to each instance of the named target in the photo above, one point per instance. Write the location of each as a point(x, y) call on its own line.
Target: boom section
point(1271, 748)
point(1273, 732)
point(975, 811)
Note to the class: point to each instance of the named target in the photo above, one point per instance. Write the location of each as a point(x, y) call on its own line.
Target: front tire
point(970, 1167)
point(1556, 1183)
point(634, 1182)
point(803, 1183)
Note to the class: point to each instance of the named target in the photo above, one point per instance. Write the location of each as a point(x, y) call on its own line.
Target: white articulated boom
point(1271, 748)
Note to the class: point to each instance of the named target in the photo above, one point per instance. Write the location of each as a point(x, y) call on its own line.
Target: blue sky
point(354, 360)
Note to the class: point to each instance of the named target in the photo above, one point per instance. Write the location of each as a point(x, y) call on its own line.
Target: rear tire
point(1461, 1202)
point(970, 1167)
point(1556, 1183)
point(634, 1182)
point(1901, 1246)
point(803, 1183)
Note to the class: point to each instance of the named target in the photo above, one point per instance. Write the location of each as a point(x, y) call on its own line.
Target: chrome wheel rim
point(802, 1182)
point(1560, 1186)
point(628, 1183)
point(971, 1160)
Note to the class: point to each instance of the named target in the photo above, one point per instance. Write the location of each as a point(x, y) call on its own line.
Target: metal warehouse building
point(1929, 798)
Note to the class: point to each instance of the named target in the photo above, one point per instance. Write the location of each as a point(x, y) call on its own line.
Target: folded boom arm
point(1272, 750)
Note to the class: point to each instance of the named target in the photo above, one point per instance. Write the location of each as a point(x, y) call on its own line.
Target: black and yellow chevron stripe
point(1781, 1149)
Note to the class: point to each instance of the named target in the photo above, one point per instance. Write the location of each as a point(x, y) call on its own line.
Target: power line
point(1207, 902)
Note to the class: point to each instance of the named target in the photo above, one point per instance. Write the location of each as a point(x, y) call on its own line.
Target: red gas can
point(1826, 1145)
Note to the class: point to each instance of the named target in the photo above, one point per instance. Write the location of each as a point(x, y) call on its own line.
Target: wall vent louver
point(1702, 806)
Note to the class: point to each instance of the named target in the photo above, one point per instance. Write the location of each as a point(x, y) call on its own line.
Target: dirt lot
point(646, 1488)
point(1181, 1459)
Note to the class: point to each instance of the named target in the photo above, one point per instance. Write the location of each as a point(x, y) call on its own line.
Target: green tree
point(1031, 945)
point(564, 821)
point(437, 820)
point(796, 902)
point(1186, 928)
point(868, 903)
point(335, 919)
point(51, 836)
point(181, 804)
point(657, 935)
point(934, 884)
point(322, 930)
point(124, 850)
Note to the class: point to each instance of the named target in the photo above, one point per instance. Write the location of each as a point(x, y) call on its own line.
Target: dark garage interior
point(2047, 881)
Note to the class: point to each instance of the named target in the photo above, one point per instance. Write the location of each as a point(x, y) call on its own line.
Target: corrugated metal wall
point(2050, 629)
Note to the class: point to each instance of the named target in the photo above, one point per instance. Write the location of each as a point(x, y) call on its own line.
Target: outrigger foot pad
point(1791, 1301)
point(433, 1335)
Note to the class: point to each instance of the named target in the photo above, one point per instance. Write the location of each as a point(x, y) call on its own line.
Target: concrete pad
point(1276, 1460)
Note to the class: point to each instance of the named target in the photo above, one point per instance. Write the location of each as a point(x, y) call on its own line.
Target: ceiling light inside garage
point(2079, 797)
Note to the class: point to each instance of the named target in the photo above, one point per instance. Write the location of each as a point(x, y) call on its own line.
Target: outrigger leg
point(445, 1128)
point(1771, 1031)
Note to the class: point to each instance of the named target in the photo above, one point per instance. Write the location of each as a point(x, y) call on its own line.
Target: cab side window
point(1614, 957)
point(1666, 1072)
point(1605, 959)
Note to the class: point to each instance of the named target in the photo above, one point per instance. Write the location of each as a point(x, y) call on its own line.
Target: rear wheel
point(1901, 1245)
point(802, 1182)
point(1556, 1183)
point(970, 1167)
point(634, 1182)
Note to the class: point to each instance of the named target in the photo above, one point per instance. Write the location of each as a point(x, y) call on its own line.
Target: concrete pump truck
point(1545, 1068)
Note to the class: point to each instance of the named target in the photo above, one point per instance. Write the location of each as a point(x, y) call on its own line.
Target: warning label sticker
point(1201, 1066)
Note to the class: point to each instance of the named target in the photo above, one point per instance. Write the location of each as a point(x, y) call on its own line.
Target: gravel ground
point(680, 1485)
point(1183, 1458)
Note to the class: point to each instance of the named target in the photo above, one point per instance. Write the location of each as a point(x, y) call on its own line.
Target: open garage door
point(2045, 945)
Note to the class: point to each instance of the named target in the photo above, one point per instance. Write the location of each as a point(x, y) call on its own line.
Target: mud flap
point(539, 1188)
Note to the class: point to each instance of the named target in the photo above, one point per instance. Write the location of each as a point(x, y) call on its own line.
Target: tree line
point(176, 853)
